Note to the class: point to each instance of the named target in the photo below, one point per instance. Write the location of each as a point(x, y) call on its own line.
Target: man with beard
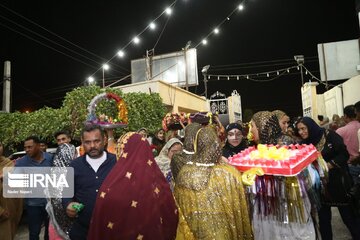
point(90, 170)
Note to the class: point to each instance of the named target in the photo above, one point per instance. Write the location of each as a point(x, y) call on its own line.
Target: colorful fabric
point(211, 196)
point(281, 207)
point(134, 201)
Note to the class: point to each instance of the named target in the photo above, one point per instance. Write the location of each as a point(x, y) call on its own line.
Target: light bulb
point(152, 26)
point(136, 40)
point(120, 53)
point(168, 11)
point(90, 79)
point(106, 66)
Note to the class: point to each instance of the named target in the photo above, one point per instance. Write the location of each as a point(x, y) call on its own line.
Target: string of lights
point(270, 75)
point(151, 26)
point(216, 30)
point(135, 40)
point(266, 76)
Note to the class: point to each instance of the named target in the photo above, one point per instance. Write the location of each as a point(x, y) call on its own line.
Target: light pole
point(204, 72)
point(300, 61)
point(104, 67)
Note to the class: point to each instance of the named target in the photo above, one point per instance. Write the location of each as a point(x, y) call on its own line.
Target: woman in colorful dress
point(134, 201)
point(281, 208)
point(210, 194)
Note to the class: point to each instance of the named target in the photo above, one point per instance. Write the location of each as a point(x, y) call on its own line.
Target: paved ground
point(339, 230)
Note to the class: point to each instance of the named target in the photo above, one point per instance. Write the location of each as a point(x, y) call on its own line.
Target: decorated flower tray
point(274, 160)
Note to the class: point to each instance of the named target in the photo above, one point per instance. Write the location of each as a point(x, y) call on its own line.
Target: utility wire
point(58, 44)
point(27, 19)
point(32, 93)
point(31, 38)
point(227, 18)
point(126, 45)
point(163, 29)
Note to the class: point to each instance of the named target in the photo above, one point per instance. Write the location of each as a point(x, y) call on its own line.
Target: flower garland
point(174, 121)
point(121, 120)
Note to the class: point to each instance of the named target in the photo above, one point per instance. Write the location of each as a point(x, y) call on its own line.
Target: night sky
point(252, 41)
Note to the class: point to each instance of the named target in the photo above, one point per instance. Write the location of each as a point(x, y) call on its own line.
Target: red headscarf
point(135, 201)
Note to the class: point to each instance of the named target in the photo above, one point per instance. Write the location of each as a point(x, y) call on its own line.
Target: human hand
point(70, 210)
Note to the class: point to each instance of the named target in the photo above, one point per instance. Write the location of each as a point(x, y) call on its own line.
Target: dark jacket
point(339, 181)
point(86, 185)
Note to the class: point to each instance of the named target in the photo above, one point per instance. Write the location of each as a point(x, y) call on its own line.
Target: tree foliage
point(144, 110)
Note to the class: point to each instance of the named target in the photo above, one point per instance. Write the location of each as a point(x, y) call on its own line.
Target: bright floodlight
point(152, 25)
point(106, 66)
point(136, 40)
point(241, 7)
point(120, 53)
point(168, 11)
point(216, 30)
point(91, 79)
point(205, 69)
point(204, 41)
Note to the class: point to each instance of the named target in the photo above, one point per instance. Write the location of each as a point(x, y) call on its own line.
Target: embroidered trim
point(187, 152)
point(201, 164)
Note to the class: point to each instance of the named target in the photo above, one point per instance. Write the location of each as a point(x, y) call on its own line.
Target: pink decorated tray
point(275, 160)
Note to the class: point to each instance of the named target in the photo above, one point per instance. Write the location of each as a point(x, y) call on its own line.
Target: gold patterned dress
point(210, 195)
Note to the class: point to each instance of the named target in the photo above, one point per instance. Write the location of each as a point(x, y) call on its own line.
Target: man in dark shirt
point(35, 207)
point(90, 170)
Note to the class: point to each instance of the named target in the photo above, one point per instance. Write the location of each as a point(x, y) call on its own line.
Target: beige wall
point(176, 99)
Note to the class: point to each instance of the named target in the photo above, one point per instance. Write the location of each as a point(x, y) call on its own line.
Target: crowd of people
point(182, 187)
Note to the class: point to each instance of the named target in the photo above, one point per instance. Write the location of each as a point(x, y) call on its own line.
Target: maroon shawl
point(135, 201)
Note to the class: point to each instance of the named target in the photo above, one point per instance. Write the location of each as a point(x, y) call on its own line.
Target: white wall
point(351, 90)
point(339, 60)
point(334, 102)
